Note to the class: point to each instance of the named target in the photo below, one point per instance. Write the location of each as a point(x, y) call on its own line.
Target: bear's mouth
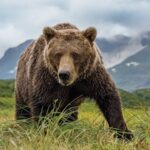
point(64, 83)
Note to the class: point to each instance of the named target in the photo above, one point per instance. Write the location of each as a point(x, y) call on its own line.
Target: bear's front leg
point(39, 111)
point(71, 107)
point(103, 90)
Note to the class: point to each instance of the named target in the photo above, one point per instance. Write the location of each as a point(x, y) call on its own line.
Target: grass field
point(90, 132)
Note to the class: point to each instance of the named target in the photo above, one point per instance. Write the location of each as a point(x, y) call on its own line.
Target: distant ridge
point(134, 72)
point(9, 61)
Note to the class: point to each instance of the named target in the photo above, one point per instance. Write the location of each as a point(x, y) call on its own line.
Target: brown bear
point(64, 64)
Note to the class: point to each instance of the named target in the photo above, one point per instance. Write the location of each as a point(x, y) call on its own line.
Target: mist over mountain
point(118, 48)
point(134, 72)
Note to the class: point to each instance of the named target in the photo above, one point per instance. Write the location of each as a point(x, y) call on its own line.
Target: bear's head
point(69, 54)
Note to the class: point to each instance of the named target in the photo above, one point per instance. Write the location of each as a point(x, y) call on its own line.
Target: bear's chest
point(58, 97)
point(59, 93)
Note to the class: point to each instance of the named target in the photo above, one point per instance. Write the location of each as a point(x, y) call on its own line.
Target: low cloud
point(20, 20)
point(10, 36)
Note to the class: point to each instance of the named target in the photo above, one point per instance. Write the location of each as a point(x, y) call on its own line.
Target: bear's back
point(65, 26)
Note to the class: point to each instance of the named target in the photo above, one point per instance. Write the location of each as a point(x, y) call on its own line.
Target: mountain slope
point(9, 61)
point(134, 72)
point(118, 48)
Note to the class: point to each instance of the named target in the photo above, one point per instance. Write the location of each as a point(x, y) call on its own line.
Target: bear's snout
point(64, 75)
point(67, 73)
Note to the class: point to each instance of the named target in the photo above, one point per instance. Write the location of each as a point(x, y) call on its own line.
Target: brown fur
point(38, 84)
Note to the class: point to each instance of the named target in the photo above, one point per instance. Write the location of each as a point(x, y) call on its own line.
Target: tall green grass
point(89, 132)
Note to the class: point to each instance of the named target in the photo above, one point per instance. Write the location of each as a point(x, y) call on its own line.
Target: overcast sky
point(22, 20)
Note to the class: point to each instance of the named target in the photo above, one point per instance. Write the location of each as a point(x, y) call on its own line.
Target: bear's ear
point(90, 33)
point(49, 33)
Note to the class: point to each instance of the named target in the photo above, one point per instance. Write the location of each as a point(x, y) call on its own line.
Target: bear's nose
point(64, 75)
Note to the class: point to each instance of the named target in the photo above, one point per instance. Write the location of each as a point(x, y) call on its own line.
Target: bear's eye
point(75, 56)
point(58, 55)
